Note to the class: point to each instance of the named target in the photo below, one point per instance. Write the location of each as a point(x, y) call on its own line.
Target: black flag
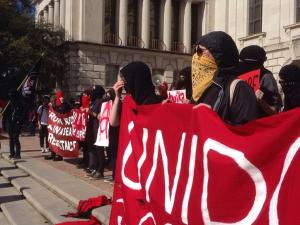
point(29, 84)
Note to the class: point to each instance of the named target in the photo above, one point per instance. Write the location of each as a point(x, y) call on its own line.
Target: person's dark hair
point(112, 93)
point(253, 54)
point(290, 83)
point(97, 92)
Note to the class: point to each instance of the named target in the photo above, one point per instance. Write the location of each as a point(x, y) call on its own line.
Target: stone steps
point(16, 210)
point(46, 202)
point(3, 220)
point(65, 187)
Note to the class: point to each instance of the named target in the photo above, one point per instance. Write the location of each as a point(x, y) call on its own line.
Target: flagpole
point(5, 108)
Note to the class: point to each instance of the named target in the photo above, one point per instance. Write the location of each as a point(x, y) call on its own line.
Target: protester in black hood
point(138, 83)
point(135, 78)
point(184, 82)
point(290, 82)
point(15, 117)
point(96, 153)
point(268, 97)
point(215, 82)
point(97, 93)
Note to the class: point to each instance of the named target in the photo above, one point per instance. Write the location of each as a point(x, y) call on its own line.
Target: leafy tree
point(23, 43)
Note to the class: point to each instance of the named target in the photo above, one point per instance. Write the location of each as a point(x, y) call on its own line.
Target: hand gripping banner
point(60, 137)
point(177, 165)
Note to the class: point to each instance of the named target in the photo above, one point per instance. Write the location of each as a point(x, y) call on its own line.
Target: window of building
point(255, 16)
point(175, 25)
point(111, 74)
point(132, 23)
point(298, 11)
point(175, 20)
point(154, 19)
point(155, 43)
point(110, 21)
point(196, 23)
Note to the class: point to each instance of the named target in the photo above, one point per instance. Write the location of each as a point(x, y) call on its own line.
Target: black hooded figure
point(184, 81)
point(225, 53)
point(251, 58)
point(15, 118)
point(138, 83)
point(96, 154)
point(290, 82)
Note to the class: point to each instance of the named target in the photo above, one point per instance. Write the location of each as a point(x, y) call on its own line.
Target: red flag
point(197, 170)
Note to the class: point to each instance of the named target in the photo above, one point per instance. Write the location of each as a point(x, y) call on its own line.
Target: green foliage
point(23, 42)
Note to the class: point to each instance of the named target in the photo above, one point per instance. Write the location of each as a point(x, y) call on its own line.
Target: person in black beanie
point(290, 82)
point(251, 58)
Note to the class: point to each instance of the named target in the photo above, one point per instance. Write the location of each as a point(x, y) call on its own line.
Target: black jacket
point(244, 105)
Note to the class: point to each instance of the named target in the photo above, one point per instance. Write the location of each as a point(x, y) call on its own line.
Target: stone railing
point(157, 44)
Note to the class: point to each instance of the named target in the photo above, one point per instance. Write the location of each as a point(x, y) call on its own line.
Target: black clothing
point(185, 81)
point(225, 53)
point(139, 84)
point(15, 119)
point(14, 129)
point(290, 83)
point(267, 82)
point(44, 136)
point(63, 108)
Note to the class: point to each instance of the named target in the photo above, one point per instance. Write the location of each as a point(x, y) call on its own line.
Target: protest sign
point(103, 130)
point(79, 124)
point(178, 96)
point(201, 171)
point(252, 78)
point(60, 137)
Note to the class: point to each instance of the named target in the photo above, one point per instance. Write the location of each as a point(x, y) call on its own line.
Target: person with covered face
point(289, 76)
point(269, 100)
point(61, 106)
point(215, 83)
point(135, 78)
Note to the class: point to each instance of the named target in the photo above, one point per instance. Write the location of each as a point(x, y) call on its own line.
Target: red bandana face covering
point(58, 96)
point(85, 101)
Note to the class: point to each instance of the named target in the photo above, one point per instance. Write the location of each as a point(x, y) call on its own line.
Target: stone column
point(62, 13)
point(187, 23)
point(146, 22)
point(123, 21)
point(51, 13)
point(167, 24)
point(45, 15)
point(56, 13)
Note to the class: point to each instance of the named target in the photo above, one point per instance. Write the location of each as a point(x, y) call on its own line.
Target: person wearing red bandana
point(60, 106)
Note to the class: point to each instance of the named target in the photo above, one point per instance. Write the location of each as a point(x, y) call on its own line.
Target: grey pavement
point(50, 191)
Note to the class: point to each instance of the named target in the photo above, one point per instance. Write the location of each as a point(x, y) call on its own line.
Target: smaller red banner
point(60, 137)
point(252, 78)
point(79, 124)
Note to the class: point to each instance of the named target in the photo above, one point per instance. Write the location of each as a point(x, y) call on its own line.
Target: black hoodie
point(139, 84)
point(226, 55)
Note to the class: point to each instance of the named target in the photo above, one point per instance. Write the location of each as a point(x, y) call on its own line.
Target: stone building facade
point(105, 35)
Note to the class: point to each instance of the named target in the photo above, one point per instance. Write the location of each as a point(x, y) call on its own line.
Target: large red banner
point(60, 137)
point(179, 165)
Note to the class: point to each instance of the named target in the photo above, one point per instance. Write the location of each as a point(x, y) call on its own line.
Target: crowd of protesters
point(211, 81)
